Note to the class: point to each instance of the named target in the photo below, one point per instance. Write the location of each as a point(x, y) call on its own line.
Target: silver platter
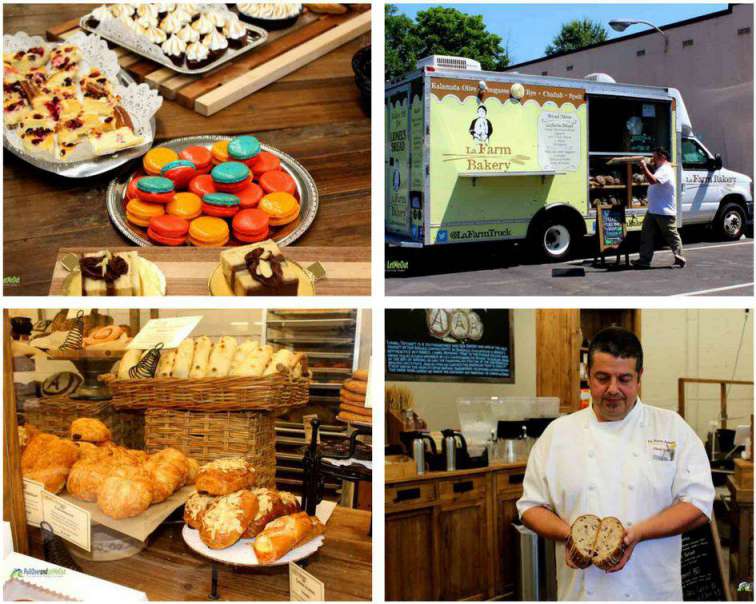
point(230, 54)
point(88, 167)
point(286, 235)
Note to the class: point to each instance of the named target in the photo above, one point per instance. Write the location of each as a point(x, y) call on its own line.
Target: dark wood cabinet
point(450, 537)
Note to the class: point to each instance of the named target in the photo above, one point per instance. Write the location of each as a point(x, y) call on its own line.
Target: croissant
point(48, 459)
point(90, 430)
point(226, 519)
point(85, 478)
point(124, 497)
point(168, 469)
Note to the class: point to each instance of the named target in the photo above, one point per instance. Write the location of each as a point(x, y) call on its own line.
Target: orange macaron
point(185, 205)
point(154, 160)
point(219, 152)
point(208, 231)
point(282, 208)
point(140, 213)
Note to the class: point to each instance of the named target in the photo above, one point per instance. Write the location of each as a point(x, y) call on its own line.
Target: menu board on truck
point(452, 345)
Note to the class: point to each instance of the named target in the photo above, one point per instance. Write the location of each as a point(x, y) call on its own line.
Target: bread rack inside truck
point(475, 155)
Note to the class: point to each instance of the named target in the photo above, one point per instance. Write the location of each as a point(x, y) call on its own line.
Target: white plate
point(242, 553)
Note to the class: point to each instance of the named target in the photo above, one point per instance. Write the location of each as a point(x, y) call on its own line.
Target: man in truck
point(660, 217)
point(623, 458)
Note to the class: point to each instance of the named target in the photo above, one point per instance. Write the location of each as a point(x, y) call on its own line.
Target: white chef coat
point(630, 469)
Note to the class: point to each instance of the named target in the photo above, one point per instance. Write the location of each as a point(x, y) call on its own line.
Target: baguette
point(240, 364)
point(360, 375)
point(165, 365)
point(221, 357)
point(184, 356)
point(356, 387)
point(283, 361)
point(201, 357)
point(351, 397)
point(284, 534)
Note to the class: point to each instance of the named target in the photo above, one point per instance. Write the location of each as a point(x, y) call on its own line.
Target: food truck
point(476, 155)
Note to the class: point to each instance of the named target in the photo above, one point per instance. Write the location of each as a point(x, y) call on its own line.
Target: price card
point(303, 587)
point(170, 332)
point(67, 520)
point(33, 501)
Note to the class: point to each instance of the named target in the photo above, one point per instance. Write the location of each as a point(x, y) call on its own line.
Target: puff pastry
point(124, 497)
point(272, 504)
point(284, 534)
point(226, 519)
point(89, 430)
point(48, 459)
point(224, 476)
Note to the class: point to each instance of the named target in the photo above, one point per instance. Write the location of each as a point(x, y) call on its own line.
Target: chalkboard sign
point(702, 573)
point(449, 345)
point(612, 228)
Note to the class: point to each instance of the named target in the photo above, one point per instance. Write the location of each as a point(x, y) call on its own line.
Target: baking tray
point(308, 195)
point(87, 167)
point(230, 54)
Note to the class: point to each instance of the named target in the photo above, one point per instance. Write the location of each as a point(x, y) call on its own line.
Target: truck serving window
point(626, 125)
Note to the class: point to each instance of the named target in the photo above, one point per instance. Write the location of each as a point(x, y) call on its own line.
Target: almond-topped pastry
point(226, 519)
point(224, 476)
point(272, 504)
point(284, 534)
point(195, 507)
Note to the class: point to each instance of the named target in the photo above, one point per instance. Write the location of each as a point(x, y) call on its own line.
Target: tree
point(576, 34)
point(444, 31)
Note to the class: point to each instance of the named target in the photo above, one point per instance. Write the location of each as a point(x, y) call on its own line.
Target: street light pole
point(622, 24)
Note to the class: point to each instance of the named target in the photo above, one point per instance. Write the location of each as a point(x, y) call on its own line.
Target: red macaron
point(202, 184)
point(233, 187)
point(251, 196)
point(131, 188)
point(180, 172)
point(155, 189)
point(263, 162)
point(201, 157)
point(251, 225)
point(168, 230)
point(277, 181)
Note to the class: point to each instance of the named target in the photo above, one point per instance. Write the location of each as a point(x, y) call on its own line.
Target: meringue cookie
point(171, 24)
point(188, 35)
point(203, 25)
point(215, 41)
point(155, 35)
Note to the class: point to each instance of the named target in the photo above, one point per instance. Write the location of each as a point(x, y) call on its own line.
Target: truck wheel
point(730, 224)
point(554, 239)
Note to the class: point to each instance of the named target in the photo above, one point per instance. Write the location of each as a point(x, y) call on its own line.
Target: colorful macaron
point(250, 196)
point(243, 148)
point(219, 152)
point(185, 205)
point(155, 189)
point(168, 230)
point(180, 172)
point(200, 156)
point(208, 231)
point(140, 213)
point(222, 205)
point(281, 207)
point(251, 225)
point(277, 181)
point(230, 176)
point(131, 191)
point(202, 184)
point(263, 162)
point(154, 160)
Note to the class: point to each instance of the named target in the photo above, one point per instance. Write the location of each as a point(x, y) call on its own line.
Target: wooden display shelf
point(312, 36)
point(188, 269)
point(601, 188)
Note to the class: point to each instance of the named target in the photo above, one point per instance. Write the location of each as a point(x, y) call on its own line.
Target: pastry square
point(14, 106)
point(110, 142)
point(38, 140)
point(65, 58)
point(243, 283)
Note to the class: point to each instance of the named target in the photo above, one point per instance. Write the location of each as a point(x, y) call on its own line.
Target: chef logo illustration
point(481, 128)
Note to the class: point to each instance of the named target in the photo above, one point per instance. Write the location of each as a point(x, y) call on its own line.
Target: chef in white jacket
point(641, 464)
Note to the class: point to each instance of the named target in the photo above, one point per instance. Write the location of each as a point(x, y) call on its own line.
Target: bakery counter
point(168, 570)
point(450, 535)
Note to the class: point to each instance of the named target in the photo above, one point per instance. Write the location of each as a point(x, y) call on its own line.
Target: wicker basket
point(272, 393)
point(209, 436)
point(54, 414)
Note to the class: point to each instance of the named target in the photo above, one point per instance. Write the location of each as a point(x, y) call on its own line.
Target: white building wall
point(714, 75)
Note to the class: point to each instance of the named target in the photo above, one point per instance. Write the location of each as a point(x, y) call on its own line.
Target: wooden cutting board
point(188, 269)
point(285, 51)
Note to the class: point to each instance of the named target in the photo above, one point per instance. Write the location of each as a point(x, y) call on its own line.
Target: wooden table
point(168, 570)
point(314, 114)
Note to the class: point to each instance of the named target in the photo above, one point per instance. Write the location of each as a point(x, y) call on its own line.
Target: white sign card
point(303, 587)
point(67, 520)
point(170, 332)
point(33, 501)
point(558, 141)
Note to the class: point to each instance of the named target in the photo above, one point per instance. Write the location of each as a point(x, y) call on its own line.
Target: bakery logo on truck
point(696, 179)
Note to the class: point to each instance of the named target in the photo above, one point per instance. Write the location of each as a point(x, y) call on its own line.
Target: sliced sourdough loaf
point(610, 544)
point(582, 538)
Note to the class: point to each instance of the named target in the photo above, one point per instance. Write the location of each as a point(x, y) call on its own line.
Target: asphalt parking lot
point(714, 268)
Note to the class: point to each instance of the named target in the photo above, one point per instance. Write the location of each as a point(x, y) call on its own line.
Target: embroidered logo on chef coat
point(662, 450)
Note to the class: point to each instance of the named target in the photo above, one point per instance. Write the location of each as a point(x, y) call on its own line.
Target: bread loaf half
point(582, 538)
point(184, 355)
point(610, 544)
point(201, 357)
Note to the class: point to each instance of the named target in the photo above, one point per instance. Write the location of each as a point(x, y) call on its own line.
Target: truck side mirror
point(716, 163)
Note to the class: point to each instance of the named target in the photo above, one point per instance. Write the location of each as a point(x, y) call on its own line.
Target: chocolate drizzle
point(260, 255)
point(109, 271)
